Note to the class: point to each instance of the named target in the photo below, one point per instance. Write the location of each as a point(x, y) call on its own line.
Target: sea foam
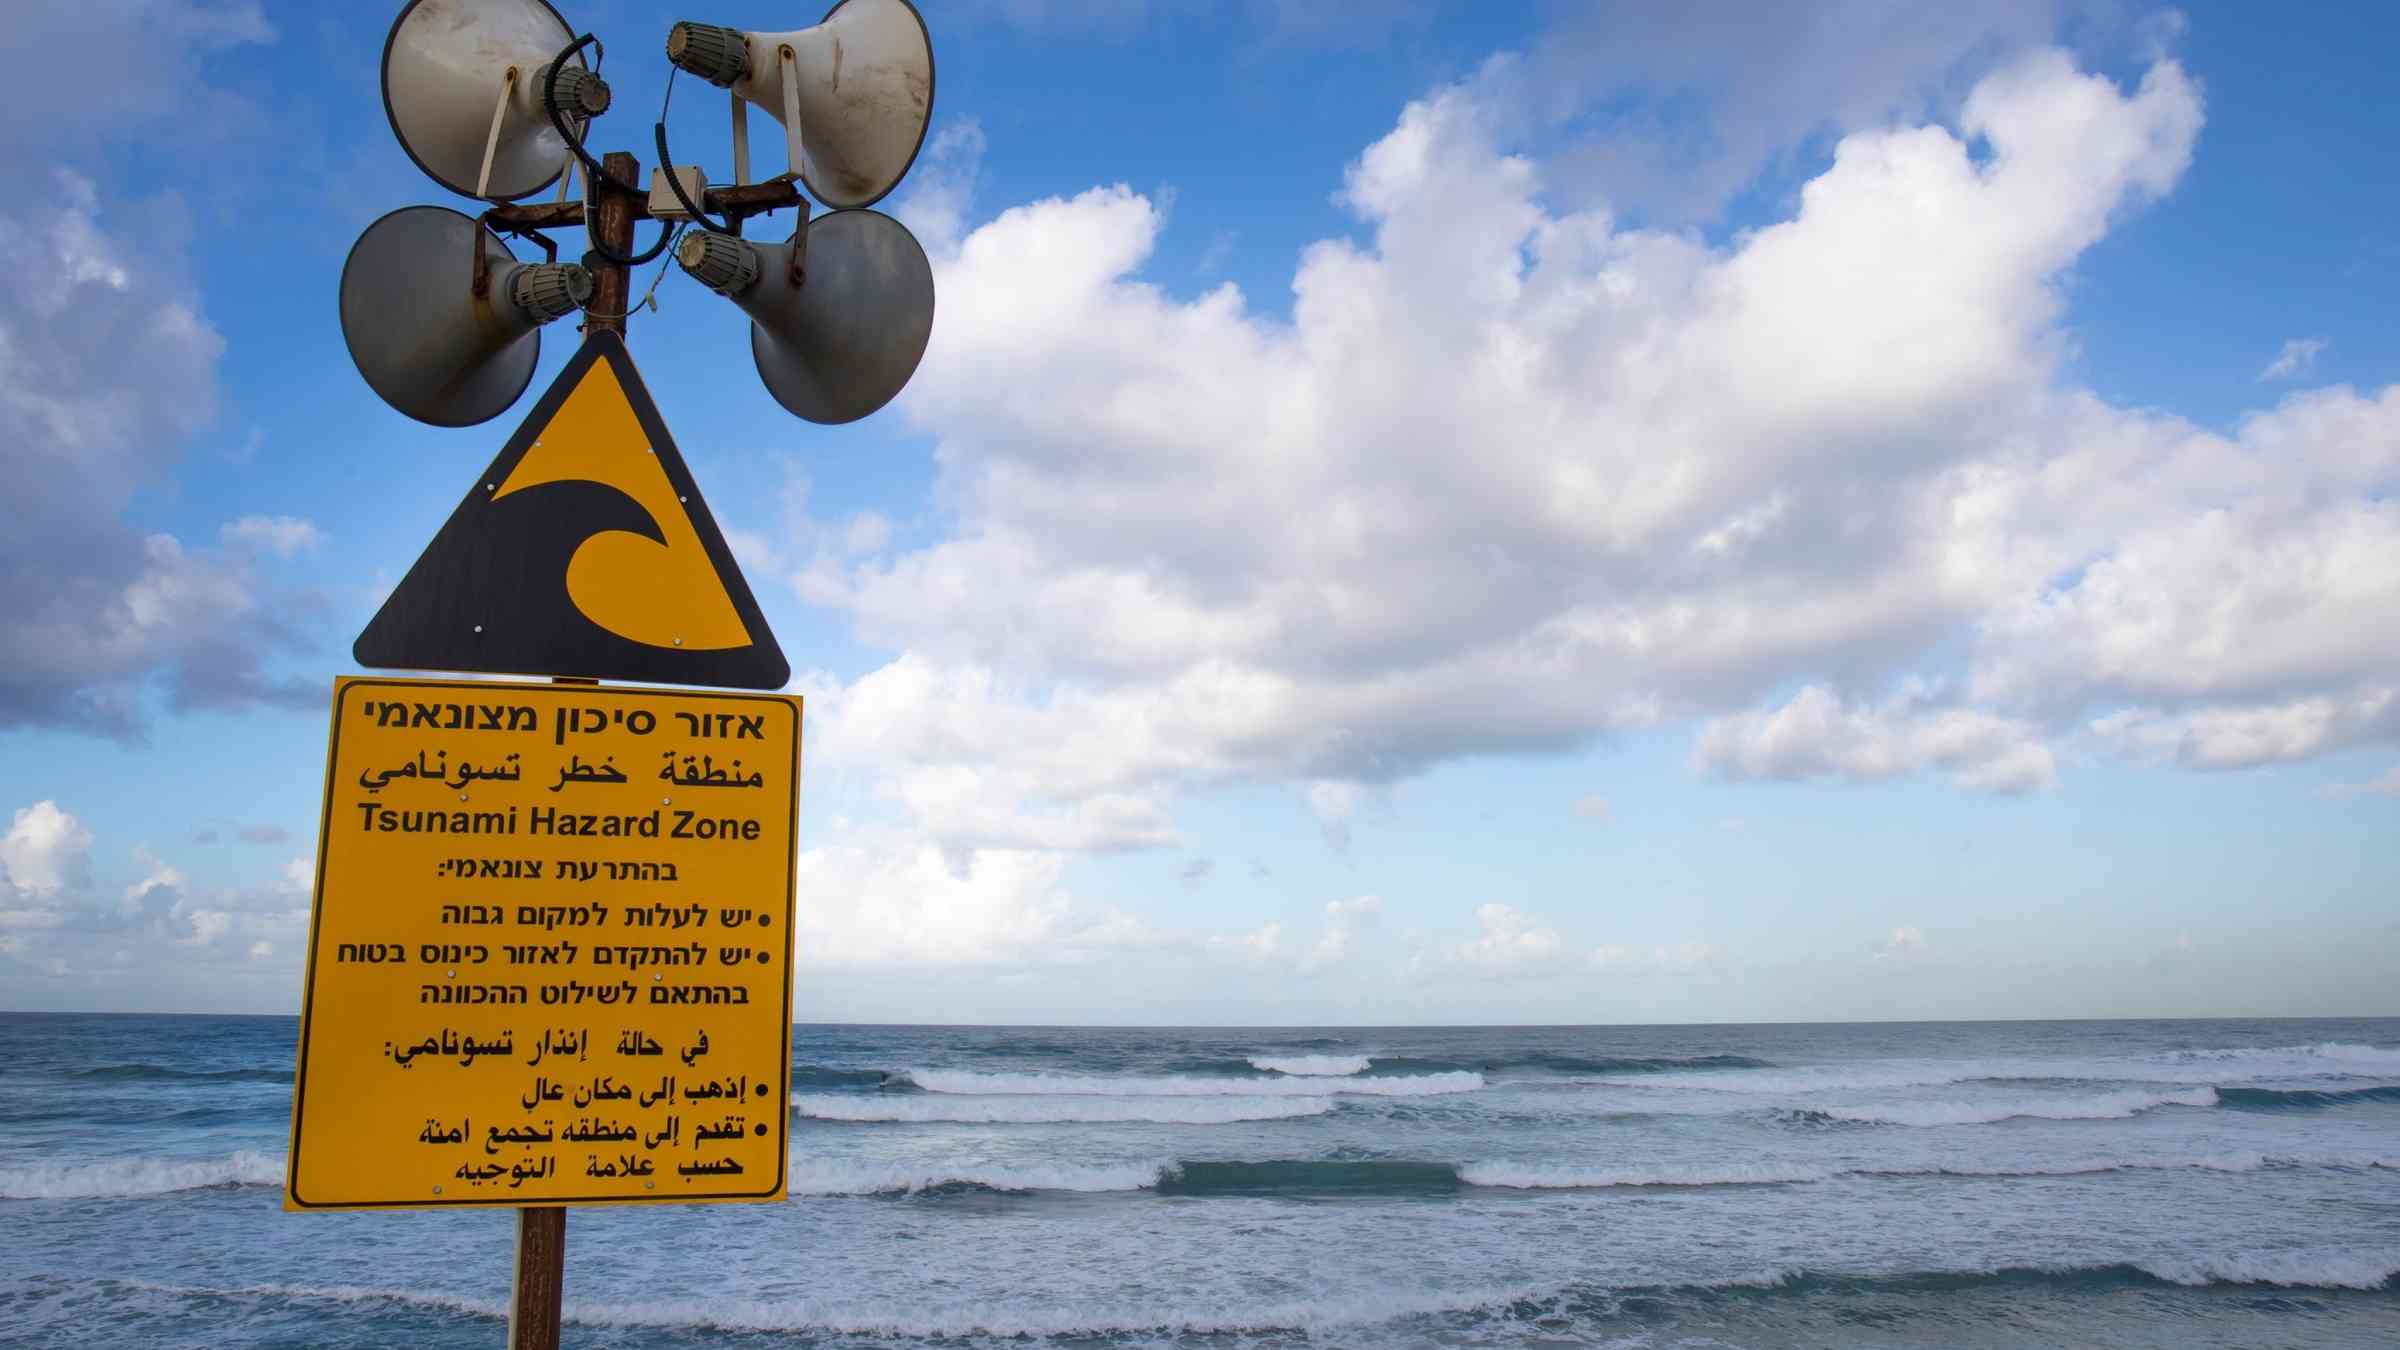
point(829, 1177)
point(2329, 1059)
point(138, 1176)
point(1312, 1065)
point(2097, 1106)
point(967, 1082)
point(1055, 1110)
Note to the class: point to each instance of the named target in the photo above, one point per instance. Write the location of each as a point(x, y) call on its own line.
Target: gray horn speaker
point(448, 65)
point(426, 343)
point(846, 340)
point(863, 83)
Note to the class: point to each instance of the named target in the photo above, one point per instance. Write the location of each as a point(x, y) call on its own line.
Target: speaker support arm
point(491, 142)
point(738, 203)
point(788, 62)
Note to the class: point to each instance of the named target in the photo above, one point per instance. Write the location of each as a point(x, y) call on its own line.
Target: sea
point(2107, 1184)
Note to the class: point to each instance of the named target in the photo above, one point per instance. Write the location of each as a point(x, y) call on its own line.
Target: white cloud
point(879, 897)
point(1343, 919)
point(1904, 942)
point(2297, 356)
point(1201, 546)
point(1751, 83)
point(1682, 958)
point(37, 89)
point(282, 536)
point(1513, 475)
point(1333, 803)
point(1263, 945)
point(1814, 735)
point(159, 878)
point(1592, 807)
point(106, 368)
point(1509, 939)
point(2242, 736)
point(45, 851)
point(207, 926)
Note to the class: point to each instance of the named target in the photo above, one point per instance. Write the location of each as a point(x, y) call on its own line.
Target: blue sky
point(1411, 513)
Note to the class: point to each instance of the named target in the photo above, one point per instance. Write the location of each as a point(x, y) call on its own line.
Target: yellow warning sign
point(550, 959)
point(660, 591)
point(584, 550)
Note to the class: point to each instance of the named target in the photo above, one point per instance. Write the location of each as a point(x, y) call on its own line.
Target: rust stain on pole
point(612, 283)
point(533, 1312)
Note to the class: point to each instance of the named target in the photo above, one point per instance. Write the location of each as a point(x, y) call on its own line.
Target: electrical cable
point(593, 172)
point(675, 181)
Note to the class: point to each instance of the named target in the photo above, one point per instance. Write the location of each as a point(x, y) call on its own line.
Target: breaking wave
point(1389, 1176)
point(927, 1109)
point(1520, 1176)
point(834, 1178)
point(2303, 1099)
point(967, 1082)
point(2099, 1106)
point(822, 1076)
point(2330, 1059)
point(138, 1176)
point(1311, 1065)
point(970, 1320)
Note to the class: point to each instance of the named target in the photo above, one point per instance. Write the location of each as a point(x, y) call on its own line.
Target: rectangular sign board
point(550, 958)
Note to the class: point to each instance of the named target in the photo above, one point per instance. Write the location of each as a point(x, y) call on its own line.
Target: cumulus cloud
point(36, 86)
point(1758, 81)
point(108, 369)
point(1593, 491)
point(45, 851)
point(881, 897)
point(71, 936)
point(2297, 356)
point(1901, 943)
point(1681, 958)
point(2241, 737)
point(282, 536)
point(159, 879)
point(1514, 474)
point(1343, 920)
point(1263, 945)
point(1508, 940)
point(1815, 735)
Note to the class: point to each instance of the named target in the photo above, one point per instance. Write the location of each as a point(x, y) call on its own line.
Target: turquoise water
point(2231, 1183)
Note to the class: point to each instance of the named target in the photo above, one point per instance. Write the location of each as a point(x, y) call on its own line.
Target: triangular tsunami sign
point(584, 551)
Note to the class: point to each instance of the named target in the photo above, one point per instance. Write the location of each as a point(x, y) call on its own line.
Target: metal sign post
point(550, 946)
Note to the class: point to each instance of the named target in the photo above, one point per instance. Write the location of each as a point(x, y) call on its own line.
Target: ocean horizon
point(2132, 1183)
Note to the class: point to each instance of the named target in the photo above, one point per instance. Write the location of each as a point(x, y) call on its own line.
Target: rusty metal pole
point(538, 1291)
point(612, 283)
point(535, 1295)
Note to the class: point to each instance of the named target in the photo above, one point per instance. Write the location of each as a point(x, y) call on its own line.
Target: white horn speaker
point(425, 341)
point(846, 338)
point(861, 84)
point(462, 84)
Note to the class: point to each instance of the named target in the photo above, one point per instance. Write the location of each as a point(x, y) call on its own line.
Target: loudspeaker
point(446, 72)
point(426, 343)
point(865, 78)
point(846, 339)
